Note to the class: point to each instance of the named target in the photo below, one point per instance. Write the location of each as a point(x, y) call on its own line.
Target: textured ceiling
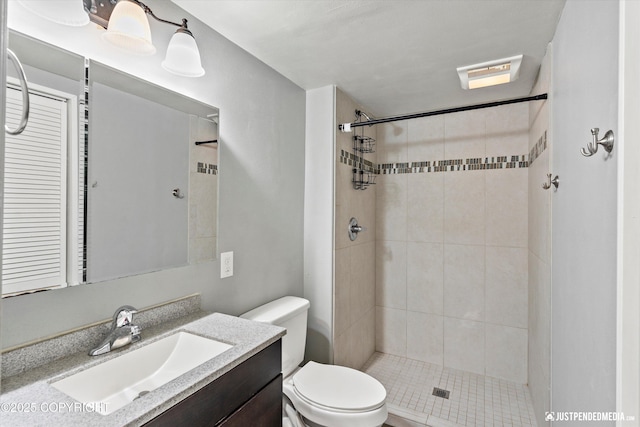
point(392, 56)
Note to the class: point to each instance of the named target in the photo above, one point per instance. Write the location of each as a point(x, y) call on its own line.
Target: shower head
point(360, 113)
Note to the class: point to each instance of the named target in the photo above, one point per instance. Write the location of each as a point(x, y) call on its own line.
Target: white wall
point(262, 116)
point(585, 95)
point(628, 367)
point(318, 221)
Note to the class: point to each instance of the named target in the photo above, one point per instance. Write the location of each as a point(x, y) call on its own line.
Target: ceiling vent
point(490, 73)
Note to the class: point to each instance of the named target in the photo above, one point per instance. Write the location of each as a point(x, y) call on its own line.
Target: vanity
point(240, 386)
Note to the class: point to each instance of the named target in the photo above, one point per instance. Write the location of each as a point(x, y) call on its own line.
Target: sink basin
point(119, 381)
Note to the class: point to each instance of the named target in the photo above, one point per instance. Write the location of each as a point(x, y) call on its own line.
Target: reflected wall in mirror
point(137, 194)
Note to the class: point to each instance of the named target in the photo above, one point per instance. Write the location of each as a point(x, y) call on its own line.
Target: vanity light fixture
point(490, 73)
point(128, 28)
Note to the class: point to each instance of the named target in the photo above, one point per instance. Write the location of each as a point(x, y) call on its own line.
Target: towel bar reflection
point(25, 95)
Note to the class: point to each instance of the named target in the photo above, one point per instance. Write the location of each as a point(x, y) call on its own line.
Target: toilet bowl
point(329, 395)
point(321, 395)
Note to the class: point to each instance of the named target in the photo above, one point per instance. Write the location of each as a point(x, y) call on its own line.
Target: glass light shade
point(65, 12)
point(183, 56)
point(129, 29)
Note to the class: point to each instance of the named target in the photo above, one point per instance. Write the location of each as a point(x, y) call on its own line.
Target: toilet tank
point(290, 313)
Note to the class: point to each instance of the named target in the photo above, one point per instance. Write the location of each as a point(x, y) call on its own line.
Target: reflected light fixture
point(490, 73)
point(128, 28)
point(65, 12)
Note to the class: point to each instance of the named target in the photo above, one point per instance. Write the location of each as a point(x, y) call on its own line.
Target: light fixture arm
point(148, 11)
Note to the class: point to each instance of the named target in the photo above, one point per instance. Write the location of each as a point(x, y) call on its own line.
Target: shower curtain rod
point(346, 127)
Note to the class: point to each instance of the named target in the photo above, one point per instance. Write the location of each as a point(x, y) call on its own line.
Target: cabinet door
point(262, 410)
point(219, 399)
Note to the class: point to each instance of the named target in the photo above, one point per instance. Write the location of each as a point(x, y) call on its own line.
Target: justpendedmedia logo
point(587, 416)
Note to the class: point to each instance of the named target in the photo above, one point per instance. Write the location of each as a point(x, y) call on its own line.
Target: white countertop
point(28, 399)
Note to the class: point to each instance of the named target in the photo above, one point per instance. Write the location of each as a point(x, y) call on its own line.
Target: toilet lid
point(339, 387)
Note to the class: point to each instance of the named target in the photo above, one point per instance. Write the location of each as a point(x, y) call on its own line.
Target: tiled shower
point(440, 278)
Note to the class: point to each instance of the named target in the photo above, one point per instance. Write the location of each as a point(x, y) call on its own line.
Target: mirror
point(140, 194)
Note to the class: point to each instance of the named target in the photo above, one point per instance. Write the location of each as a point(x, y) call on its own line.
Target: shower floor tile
point(474, 400)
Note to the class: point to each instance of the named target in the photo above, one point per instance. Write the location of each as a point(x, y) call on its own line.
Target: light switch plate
point(226, 264)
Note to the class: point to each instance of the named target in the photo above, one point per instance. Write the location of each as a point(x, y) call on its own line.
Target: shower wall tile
point(342, 291)
point(363, 207)
point(464, 282)
point(394, 148)
point(539, 350)
point(368, 330)
point(391, 331)
point(464, 345)
point(203, 192)
point(506, 353)
point(363, 280)
point(354, 261)
point(341, 348)
point(425, 337)
point(425, 138)
point(539, 206)
point(539, 309)
point(202, 249)
point(343, 213)
point(425, 277)
point(391, 208)
point(363, 340)
point(354, 346)
point(464, 134)
point(506, 286)
point(507, 130)
point(425, 207)
point(452, 237)
point(506, 208)
point(464, 208)
point(391, 274)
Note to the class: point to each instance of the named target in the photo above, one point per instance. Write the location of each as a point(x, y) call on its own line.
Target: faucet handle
point(124, 316)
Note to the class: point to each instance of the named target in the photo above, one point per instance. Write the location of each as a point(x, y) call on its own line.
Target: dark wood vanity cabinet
point(248, 395)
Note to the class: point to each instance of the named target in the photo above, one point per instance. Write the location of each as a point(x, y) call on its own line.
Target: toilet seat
point(338, 388)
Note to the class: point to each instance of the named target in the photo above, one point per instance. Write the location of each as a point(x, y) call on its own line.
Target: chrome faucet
point(122, 333)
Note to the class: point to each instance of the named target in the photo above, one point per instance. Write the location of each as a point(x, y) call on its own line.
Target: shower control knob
point(354, 229)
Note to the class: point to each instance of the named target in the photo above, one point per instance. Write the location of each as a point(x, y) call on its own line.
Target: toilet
point(320, 395)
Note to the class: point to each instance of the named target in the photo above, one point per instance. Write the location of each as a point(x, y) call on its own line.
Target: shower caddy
point(364, 173)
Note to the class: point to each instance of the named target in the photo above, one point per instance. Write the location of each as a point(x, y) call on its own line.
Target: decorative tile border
point(207, 168)
point(538, 148)
point(455, 165)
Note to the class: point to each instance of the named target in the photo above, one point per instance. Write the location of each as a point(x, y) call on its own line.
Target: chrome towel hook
point(25, 95)
point(592, 147)
point(555, 182)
